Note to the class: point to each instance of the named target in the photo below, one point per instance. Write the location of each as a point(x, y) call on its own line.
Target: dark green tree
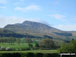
point(36, 46)
point(47, 44)
point(30, 46)
point(70, 47)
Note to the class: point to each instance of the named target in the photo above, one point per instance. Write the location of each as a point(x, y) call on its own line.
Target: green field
point(23, 45)
point(33, 51)
point(14, 45)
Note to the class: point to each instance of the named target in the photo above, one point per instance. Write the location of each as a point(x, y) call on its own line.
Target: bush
point(53, 55)
point(2, 48)
point(47, 44)
point(71, 47)
point(30, 55)
point(39, 55)
point(11, 55)
point(9, 49)
point(25, 49)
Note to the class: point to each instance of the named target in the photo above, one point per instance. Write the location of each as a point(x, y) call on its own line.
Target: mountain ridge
point(38, 29)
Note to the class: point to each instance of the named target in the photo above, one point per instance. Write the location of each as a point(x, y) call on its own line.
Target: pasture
point(14, 45)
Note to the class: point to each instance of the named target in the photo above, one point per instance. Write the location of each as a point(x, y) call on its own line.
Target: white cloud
point(30, 7)
point(4, 20)
point(3, 1)
point(66, 27)
point(57, 16)
point(3, 7)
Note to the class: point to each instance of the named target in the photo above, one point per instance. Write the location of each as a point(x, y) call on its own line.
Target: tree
point(47, 44)
point(70, 47)
point(18, 40)
point(36, 45)
point(28, 40)
point(30, 46)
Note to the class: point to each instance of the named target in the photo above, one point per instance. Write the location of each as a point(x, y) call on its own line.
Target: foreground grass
point(32, 51)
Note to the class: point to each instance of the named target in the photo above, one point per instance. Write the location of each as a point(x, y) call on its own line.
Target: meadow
point(32, 51)
point(14, 45)
point(19, 46)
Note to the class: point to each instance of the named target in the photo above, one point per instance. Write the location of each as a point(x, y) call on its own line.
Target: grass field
point(14, 45)
point(23, 45)
point(33, 51)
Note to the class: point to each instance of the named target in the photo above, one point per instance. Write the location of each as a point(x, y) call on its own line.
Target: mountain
point(8, 33)
point(38, 29)
point(29, 26)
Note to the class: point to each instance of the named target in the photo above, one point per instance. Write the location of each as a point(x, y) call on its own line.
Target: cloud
point(57, 16)
point(28, 8)
point(3, 2)
point(66, 27)
point(2, 7)
point(4, 20)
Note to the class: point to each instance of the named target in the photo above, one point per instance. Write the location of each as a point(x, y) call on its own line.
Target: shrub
point(11, 55)
point(39, 55)
point(30, 55)
point(71, 47)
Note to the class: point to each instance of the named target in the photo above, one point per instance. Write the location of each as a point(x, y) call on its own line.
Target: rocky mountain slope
point(38, 29)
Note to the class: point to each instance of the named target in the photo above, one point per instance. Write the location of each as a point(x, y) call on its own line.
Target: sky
point(60, 14)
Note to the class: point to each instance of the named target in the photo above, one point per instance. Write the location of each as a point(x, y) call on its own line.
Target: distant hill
point(30, 27)
point(38, 29)
point(7, 33)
